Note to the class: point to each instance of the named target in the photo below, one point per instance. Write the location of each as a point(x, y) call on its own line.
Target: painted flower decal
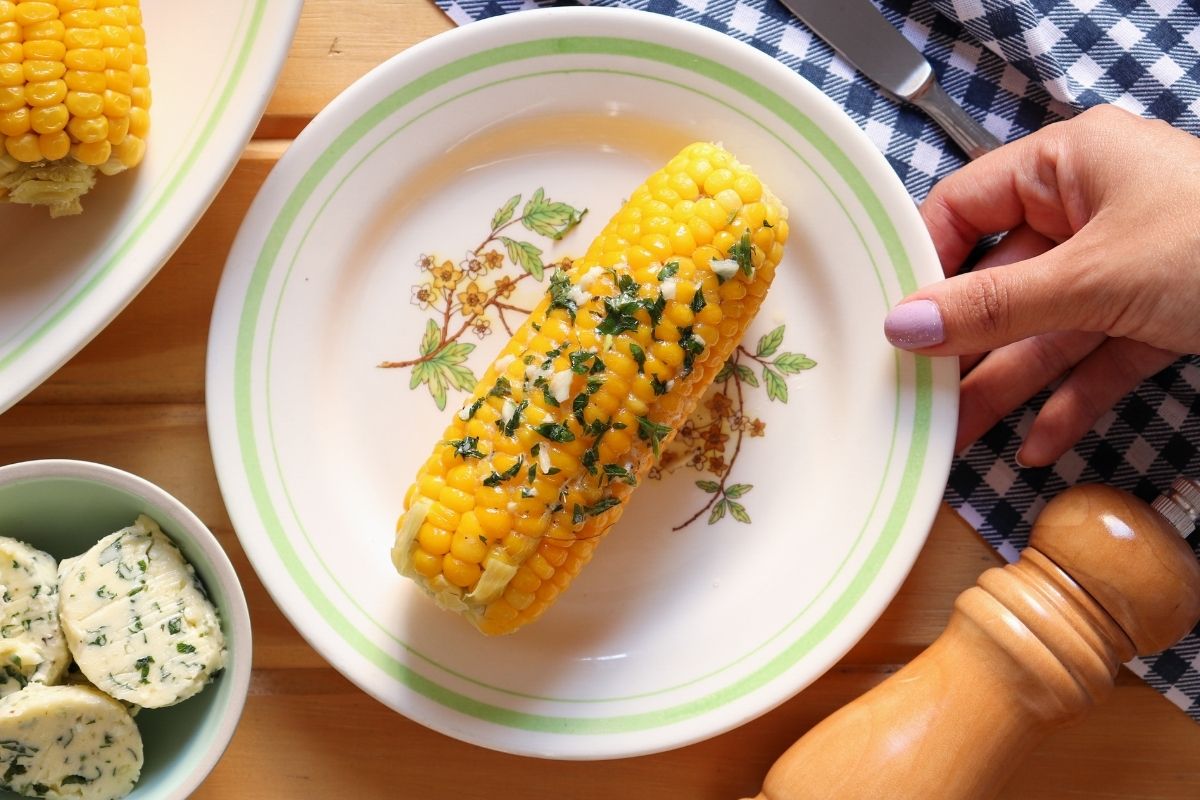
point(482, 326)
point(446, 275)
point(423, 296)
point(473, 299)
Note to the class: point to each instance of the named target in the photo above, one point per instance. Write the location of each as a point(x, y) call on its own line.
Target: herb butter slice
point(137, 619)
point(64, 742)
point(32, 647)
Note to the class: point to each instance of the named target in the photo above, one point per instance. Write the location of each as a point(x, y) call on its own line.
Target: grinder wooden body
point(1030, 648)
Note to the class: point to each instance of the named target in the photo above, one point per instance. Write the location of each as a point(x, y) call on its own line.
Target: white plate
point(667, 637)
point(212, 68)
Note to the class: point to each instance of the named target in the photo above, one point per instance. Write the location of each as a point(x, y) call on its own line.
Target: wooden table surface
point(134, 398)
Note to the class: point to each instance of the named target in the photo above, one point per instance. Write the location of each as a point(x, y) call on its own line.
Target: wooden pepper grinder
point(1028, 649)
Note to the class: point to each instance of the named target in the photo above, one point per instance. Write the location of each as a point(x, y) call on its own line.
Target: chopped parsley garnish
point(143, 665)
point(594, 383)
point(547, 395)
point(639, 355)
point(175, 625)
point(669, 269)
point(620, 311)
point(530, 475)
point(590, 457)
point(466, 447)
point(69, 779)
point(497, 478)
point(502, 388)
point(560, 294)
point(555, 432)
point(654, 433)
point(659, 387)
point(510, 428)
point(471, 409)
point(692, 347)
point(184, 647)
point(579, 513)
point(698, 301)
point(579, 361)
point(578, 405)
point(741, 252)
point(655, 309)
point(617, 472)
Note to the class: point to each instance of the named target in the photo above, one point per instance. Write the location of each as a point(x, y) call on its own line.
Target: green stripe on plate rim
point(178, 178)
point(253, 465)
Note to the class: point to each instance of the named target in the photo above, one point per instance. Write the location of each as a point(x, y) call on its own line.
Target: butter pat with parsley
point(63, 742)
point(32, 647)
point(137, 619)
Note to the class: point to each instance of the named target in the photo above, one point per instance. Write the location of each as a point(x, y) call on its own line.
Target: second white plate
point(399, 230)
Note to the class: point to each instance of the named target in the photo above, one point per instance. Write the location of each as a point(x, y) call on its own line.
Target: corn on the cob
point(539, 462)
point(74, 97)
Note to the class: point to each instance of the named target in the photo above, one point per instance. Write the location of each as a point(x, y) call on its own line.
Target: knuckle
point(985, 303)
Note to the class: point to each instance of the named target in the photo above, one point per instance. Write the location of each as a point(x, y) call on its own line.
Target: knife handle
point(1030, 648)
point(972, 137)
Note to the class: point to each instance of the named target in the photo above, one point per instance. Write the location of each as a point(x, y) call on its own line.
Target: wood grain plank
point(337, 42)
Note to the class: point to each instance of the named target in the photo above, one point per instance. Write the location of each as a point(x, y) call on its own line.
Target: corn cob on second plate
point(567, 420)
point(74, 97)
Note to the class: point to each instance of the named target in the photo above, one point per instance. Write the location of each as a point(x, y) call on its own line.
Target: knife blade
point(862, 35)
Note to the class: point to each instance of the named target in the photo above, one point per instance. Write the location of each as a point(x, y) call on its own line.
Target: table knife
point(857, 30)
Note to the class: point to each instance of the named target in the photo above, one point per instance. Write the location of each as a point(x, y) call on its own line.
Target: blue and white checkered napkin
point(1015, 65)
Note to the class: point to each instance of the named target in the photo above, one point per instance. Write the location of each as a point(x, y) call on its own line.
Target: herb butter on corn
point(65, 742)
point(32, 647)
point(538, 464)
point(137, 619)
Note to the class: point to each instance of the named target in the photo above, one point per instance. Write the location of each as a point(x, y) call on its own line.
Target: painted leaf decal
point(455, 353)
point(769, 343)
point(776, 387)
point(431, 338)
point(708, 486)
point(791, 363)
point(418, 375)
point(460, 377)
point(747, 375)
point(525, 254)
point(738, 489)
point(437, 384)
point(723, 375)
point(738, 512)
point(505, 212)
point(717, 512)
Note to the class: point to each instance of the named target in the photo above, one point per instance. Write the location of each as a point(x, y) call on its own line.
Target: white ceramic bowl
point(64, 507)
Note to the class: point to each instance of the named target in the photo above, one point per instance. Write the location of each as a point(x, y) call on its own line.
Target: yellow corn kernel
point(54, 145)
point(12, 98)
point(139, 122)
point(81, 18)
point(85, 59)
point(45, 93)
point(88, 38)
point(51, 29)
point(36, 70)
point(15, 123)
point(12, 75)
point(8, 10)
point(10, 32)
point(50, 119)
point(88, 129)
point(119, 80)
point(118, 129)
point(31, 13)
point(130, 151)
point(24, 148)
point(12, 53)
point(78, 81)
point(92, 153)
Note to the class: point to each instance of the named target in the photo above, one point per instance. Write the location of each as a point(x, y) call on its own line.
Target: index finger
point(1014, 184)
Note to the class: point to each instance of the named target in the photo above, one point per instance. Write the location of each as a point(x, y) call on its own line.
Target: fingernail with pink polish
point(913, 325)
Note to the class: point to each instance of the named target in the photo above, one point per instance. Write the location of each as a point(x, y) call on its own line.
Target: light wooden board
point(134, 399)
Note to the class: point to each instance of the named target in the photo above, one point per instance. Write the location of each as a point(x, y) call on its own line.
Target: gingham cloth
point(1015, 65)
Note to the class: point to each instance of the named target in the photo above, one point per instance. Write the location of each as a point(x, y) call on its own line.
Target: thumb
point(982, 310)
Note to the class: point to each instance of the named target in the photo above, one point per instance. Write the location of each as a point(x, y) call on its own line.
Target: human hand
point(1098, 278)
